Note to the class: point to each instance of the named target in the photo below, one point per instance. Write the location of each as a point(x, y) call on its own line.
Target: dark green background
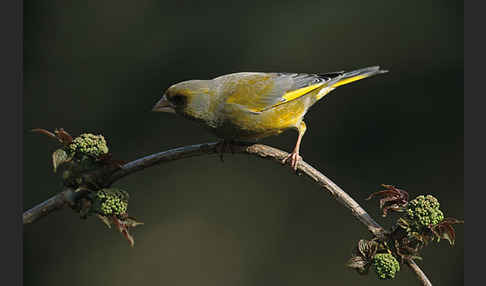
point(100, 66)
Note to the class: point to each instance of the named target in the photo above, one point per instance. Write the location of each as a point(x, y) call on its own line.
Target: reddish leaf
point(444, 229)
point(384, 193)
point(451, 220)
point(408, 247)
point(59, 134)
point(107, 159)
point(392, 207)
point(122, 227)
point(63, 136)
point(45, 132)
point(391, 199)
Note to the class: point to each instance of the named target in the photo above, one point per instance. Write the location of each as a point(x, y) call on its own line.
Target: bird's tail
point(343, 78)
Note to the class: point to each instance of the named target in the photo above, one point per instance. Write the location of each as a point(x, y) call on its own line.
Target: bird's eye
point(178, 100)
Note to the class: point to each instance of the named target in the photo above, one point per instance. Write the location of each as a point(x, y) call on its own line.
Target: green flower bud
point(111, 201)
point(424, 211)
point(88, 144)
point(385, 265)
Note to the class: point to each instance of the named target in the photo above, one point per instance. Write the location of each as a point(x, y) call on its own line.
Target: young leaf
point(45, 132)
point(59, 157)
point(122, 227)
point(361, 265)
point(363, 256)
point(444, 229)
point(105, 220)
point(60, 134)
point(392, 199)
point(367, 248)
point(131, 222)
point(63, 136)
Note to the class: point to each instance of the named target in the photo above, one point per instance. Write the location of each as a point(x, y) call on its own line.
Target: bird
point(248, 106)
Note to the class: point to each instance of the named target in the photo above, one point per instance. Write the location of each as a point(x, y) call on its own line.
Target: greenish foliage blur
point(100, 66)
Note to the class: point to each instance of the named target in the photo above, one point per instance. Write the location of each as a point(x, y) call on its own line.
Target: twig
point(57, 202)
point(264, 151)
point(161, 157)
point(420, 274)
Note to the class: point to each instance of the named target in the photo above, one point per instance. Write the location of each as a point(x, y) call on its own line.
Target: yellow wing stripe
point(349, 80)
point(299, 92)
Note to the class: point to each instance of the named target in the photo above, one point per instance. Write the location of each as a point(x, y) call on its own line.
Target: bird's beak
point(163, 105)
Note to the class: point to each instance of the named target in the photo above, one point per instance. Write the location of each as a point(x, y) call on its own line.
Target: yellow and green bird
point(252, 105)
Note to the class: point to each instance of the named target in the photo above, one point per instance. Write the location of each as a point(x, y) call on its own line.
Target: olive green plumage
point(254, 105)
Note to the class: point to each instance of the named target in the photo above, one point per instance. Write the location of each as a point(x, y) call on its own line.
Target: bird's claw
point(222, 147)
point(294, 159)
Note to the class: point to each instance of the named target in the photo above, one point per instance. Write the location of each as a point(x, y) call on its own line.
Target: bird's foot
point(293, 158)
point(223, 146)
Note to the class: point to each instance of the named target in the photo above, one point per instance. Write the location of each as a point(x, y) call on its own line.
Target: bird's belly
point(244, 125)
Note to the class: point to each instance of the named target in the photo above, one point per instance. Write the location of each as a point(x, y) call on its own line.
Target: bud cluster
point(420, 222)
point(111, 202)
point(385, 265)
point(423, 212)
point(88, 144)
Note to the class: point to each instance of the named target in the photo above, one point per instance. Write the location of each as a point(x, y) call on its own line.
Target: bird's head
point(189, 98)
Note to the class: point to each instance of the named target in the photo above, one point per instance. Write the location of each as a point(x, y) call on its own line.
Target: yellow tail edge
point(356, 75)
point(349, 77)
point(349, 80)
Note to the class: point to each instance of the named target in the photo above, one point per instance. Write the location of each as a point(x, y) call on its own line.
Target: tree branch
point(420, 274)
point(57, 202)
point(69, 197)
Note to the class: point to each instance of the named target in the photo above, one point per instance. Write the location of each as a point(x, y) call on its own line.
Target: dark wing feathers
point(260, 91)
point(301, 80)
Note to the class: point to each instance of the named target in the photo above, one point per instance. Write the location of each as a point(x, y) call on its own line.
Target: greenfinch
point(248, 106)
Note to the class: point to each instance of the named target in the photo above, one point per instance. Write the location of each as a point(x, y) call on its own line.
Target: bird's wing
point(257, 92)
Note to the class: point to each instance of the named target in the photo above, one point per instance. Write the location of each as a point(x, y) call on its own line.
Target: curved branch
point(264, 151)
point(161, 157)
point(420, 274)
point(57, 202)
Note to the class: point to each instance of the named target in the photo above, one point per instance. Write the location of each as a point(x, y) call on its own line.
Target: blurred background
point(100, 66)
